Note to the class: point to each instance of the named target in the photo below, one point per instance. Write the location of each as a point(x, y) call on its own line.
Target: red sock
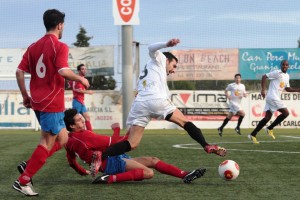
point(37, 160)
point(88, 125)
point(165, 168)
point(54, 149)
point(132, 175)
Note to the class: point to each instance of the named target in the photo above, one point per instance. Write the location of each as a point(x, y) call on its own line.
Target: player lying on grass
point(88, 146)
point(117, 168)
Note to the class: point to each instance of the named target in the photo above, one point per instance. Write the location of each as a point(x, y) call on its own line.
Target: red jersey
point(83, 144)
point(43, 59)
point(77, 95)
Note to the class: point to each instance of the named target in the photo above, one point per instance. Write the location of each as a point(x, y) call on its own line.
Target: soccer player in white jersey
point(279, 81)
point(237, 92)
point(152, 101)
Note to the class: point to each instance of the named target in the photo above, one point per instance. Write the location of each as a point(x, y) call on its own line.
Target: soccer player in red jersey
point(47, 62)
point(78, 96)
point(88, 146)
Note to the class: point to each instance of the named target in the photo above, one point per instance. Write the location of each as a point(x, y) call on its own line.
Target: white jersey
point(152, 82)
point(279, 81)
point(237, 92)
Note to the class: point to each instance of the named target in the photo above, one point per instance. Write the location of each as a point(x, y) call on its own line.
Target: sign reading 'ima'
point(125, 12)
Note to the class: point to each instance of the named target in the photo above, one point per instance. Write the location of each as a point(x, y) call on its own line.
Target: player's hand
point(263, 93)
point(27, 102)
point(173, 42)
point(85, 82)
point(90, 92)
point(88, 172)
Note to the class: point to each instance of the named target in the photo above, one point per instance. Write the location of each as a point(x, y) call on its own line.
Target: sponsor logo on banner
point(104, 107)
point(257, 104)
point(12, 112)
point(201, 105)
point(254, 63)
point(125, 12)
point(205, 64)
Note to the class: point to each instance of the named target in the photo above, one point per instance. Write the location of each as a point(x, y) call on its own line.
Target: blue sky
point(198, 23)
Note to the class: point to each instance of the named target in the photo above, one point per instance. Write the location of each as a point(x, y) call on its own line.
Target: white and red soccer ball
point(229, 170)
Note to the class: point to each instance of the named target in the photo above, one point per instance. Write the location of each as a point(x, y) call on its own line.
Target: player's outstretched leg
point(197, 173)
point(24, 189)
point(220, 151)
point(101, 179)
point(21, 168)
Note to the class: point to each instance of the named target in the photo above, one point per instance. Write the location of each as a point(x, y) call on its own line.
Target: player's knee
point(63, 141)
point(133, 144)
point(286, 113)
point(148, 173)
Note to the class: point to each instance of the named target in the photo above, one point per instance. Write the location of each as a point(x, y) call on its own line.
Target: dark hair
point(69, 118)
point(170, 56)
point(283, 61)
point(52, 18)
point(79, 67)
point(237, 75)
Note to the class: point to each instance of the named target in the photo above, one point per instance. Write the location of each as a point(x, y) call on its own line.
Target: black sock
point(117, 149)
point(195, 133)
point(278, 120)
point(240, 121)
point(226, 120)
point(259, 126)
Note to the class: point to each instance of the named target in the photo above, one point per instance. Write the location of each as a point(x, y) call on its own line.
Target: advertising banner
point(104, 107)
point(205, 64)
point(207, 109)
point(12, 112)
point(9, 61)
point(257, 105)
point(99, 60)
point(126, 12)
point(254, 63)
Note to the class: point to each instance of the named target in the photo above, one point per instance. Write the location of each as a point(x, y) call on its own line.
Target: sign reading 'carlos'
point(125, 12)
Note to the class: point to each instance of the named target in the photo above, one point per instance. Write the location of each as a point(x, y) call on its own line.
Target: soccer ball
point(229, 170)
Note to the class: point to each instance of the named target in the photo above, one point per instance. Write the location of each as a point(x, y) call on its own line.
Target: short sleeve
point(62, 55)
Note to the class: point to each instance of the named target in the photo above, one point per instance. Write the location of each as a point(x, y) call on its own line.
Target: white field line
point(190, 146)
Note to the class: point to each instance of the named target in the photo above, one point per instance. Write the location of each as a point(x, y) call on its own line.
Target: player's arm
point(245, 94)
point(73, 163)
point(115, 138)
point(69, 74)
point(79, 90)
point(97, 141)
point(289, 89)
point(20, 76)
point(263, 85)
point(227, 94)
point(159, 45)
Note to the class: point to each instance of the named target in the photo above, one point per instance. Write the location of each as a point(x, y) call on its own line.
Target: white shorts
point(142, 112)
point(274, 105)
point(234, 108)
